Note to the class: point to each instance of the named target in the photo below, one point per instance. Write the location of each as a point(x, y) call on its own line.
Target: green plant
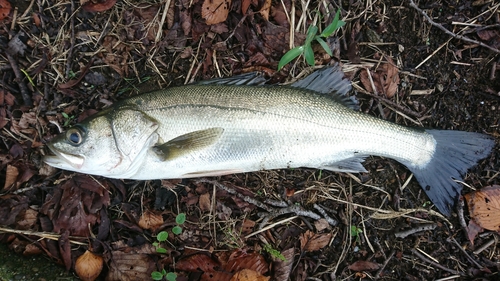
point(311, 35)
point(273, 252)
point(180, 219)
point(67, 119)
point(356, 232)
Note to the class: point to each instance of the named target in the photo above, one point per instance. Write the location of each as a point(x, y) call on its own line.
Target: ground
point(62, 61)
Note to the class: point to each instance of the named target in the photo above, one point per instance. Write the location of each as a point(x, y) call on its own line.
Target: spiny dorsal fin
point(329, 80)
point(188, 143)
point(249, 79)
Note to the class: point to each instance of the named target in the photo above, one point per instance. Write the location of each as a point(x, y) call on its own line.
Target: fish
point(239, 124)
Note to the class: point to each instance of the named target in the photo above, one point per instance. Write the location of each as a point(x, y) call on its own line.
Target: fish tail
point(455, 153)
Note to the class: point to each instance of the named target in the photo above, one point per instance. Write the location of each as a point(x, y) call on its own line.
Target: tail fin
point(455, 153)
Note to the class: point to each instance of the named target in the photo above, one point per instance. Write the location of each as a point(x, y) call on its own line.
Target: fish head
point(105, 145)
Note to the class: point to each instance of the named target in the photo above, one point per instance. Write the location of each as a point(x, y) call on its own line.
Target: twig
point(331, 221)
point(456, 36)
point(69, 59)
point(435, 264)
point(20, 81)
point(385, 263)
point(424, 227)
point(452, 240)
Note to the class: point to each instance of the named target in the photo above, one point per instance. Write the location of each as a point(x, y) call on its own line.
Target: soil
point(62, 61)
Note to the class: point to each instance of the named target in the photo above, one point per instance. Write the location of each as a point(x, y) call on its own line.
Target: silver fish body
point(216, 129)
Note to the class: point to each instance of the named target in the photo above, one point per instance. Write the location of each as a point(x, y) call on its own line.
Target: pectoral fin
point(188, 143)
point(352, 165)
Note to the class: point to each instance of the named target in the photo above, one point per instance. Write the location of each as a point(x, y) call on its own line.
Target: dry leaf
point(5, 8)
point(248, 275)
point(264, 12)
point(215, 11)
point(127, 266)
point(204, 202)
point(245, 4)
point(11, 174)
point(484, 206)
point(364, 266)
point(283, 269)
point(150, 220)
point(309, 241)
point(198, 262)
point(29, 219)
point(385, 79)
point(97, 6)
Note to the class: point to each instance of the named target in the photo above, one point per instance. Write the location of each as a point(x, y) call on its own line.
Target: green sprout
point(273, 252)
point(67, 118)
point(162, 237)
point(356, 232)
point(306, 49)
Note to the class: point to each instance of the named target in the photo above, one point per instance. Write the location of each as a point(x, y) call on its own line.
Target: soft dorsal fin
point(329, 80)
point(249, 79)
point(188, 143)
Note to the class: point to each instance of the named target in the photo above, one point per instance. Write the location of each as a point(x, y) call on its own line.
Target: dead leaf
point(65, 249)
point(241, 259)
point(264, 12)
point(473, 230)
point(215, 11)
point(245, 4)
point(11, 174)
point(5, 8)
point(283, 268)
point(10, 207)
point(364, 266)
point(75, 205)
point(198, 262)
point(129, 266)
point(247, 226)
point(204, 202)
point(97, 5)
point(321, 224)
point(385, 78)
point(484, 206)
point(310, 241)
point(150, 220)
point(248, 275)
point(29, 219)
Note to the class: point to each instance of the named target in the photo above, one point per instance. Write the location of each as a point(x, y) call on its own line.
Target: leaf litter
point(117, 46)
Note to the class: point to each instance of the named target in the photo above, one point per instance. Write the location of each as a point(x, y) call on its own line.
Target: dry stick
point(20, 81)
point(456, 36)
point(72, 40)
point(424, 227)
point(433, 263)
point(385, 263)
point(452, 240)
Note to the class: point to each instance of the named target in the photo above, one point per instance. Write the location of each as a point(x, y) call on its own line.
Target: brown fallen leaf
point(364, 266)
point(249, 275)
point(310, 241)
point(283, 268)
point(242, 259)
point(245, 4)
point(11, 174)
point(215, 11)
point(150, 220)
point(385, 79)
point(264, 12)
point(129, 266)
point(97, 5)
point(5, 8)
point(484, 205)
point(204, 202)
point(198, 262)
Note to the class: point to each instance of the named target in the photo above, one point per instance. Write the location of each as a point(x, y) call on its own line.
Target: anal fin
point(352, 165)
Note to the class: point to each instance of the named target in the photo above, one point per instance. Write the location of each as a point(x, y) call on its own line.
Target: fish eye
point(75, 136)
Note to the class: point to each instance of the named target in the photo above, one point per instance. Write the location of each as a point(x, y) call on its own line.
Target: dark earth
point(62, 61)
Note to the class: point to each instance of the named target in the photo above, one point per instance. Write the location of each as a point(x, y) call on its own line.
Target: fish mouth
point(62, 160)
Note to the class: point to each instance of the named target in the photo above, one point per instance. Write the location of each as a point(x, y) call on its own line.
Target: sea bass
point(237, 125)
